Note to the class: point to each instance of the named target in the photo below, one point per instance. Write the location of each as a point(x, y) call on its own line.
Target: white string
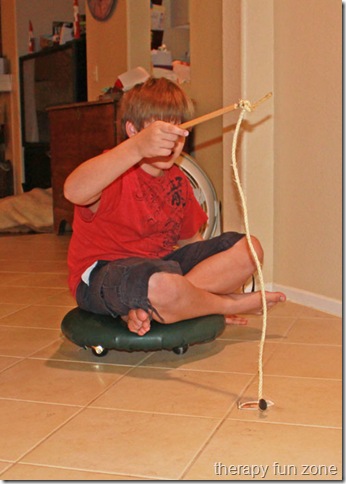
point(246, 106)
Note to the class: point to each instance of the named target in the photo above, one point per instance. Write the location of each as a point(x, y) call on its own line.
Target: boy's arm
point(196, 238)
point(85, 184)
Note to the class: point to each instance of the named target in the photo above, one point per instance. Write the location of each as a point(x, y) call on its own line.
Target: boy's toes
point(280, 297)
point(274, 298)
point(141, 314)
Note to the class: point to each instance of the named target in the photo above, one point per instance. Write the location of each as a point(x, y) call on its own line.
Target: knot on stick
point(245, 105)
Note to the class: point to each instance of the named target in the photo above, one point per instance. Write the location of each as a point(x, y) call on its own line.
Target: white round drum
point(204, 192)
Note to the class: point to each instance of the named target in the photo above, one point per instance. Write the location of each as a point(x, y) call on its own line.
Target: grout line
point(47, 436)
point(55, 340)
point(280, 341)
point(197, 370)
point(91, 471)
point(140, 364)
point(289, 424)
point(19, 358)
point(81, 409)
point(296, 377)
point(10, 465)
point(11, 326)
point(131, 368)
point(41, 402)
point(151, 412)
point(204, 445)
point(200, 450)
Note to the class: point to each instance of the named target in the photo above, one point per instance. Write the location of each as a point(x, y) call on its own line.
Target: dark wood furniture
point(54, 75)
point(77, 132)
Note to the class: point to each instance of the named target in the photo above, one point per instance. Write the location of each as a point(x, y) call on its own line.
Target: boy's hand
point(158, 139)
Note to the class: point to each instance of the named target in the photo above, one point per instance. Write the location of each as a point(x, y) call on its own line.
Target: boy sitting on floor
point(134, 207)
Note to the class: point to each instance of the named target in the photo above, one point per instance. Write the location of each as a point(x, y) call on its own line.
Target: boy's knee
point(164, 289)
point(243, 246)
point(258, 248)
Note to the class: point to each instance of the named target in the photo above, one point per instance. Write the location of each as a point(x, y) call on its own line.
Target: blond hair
point(152, 100)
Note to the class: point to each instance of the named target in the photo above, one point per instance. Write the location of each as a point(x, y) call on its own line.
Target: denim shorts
point(117, 286)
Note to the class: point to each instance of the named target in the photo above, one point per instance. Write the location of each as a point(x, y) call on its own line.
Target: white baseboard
point(305, 298)
point(309, 299)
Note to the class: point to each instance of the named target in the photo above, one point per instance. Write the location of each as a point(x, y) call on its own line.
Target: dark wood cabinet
point(77, 132)
point(52, 76)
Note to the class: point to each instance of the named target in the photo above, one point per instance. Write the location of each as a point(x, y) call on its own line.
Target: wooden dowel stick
point(220, 112)
point(206, 117)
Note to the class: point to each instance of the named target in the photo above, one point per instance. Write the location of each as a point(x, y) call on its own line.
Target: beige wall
point(117, 45)
point(41, 14)
point(232, 92)
point(308, 145)
point(106, 50)
point(249, 74)
point(138, 34)
point(206, 84)
point(290, 150)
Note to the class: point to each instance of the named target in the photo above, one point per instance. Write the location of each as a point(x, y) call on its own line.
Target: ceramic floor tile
point(7, 361)
point(10, 278)
point(27, 295)
point(15, 341)
point(36, 317)
point(68, 383)
point(24, 472)
point(273, 451)
point(24, 424)
point(219, 355)
point(277, 328)
point(130, 443)
point(63, 298)
point(25, 245)
point(287, 309)
point(40, 280)
point(291, 309)
point(307, 312)
point(6, 309)
point(16, 265)
point(316, 361)
point(158, 415)
point(181, 392)
point(327, 331)
point(67, 351)
point(4, 466)
point(296, 400)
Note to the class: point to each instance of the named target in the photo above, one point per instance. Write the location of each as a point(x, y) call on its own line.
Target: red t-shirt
point(139, 216)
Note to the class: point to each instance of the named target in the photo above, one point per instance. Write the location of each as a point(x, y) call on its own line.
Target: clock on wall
point(101, 9)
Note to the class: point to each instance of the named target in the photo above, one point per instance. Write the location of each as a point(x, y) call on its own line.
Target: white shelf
point(5, 82)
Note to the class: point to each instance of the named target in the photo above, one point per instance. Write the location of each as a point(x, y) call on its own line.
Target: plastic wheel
point(180, 350)
point(204, 192)
point(99, 351)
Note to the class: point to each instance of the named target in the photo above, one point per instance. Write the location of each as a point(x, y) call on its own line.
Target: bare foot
point(138, 321)
point(251, 303)
point(236, 320)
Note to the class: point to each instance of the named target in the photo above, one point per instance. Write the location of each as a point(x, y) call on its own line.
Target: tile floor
point(68, 415)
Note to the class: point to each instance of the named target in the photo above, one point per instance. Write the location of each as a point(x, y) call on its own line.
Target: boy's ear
point(130, 129)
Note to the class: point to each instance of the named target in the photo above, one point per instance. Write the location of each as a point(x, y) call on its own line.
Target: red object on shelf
point(31, 43)
point(76, 24)
point(118, 85)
